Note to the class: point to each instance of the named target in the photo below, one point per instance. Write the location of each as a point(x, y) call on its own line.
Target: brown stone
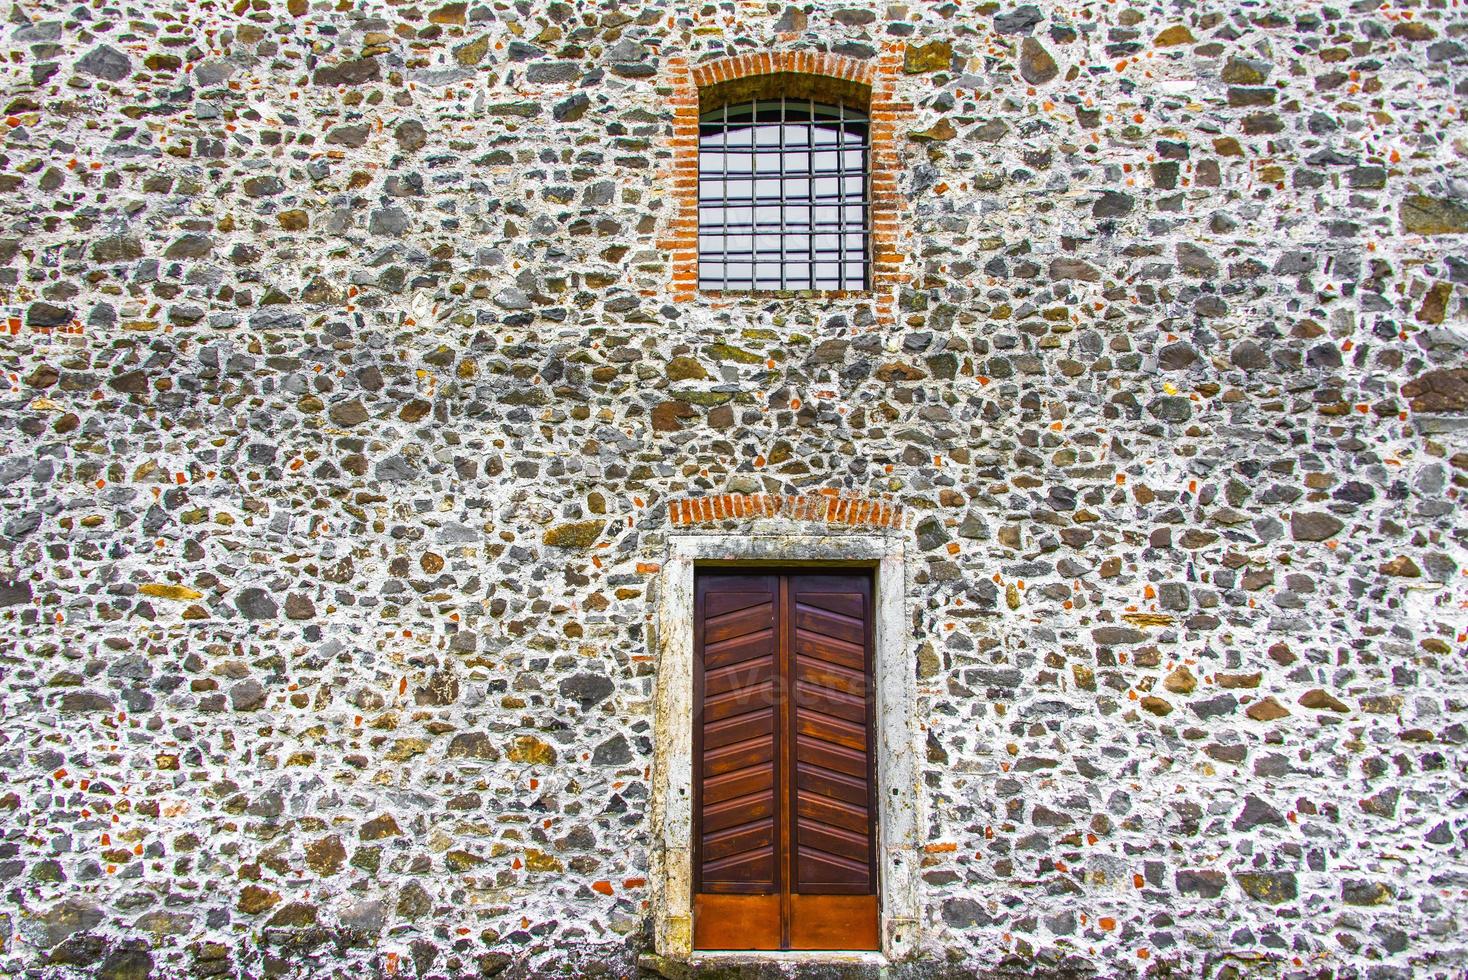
point(1174, 35)
point(1314, 526)
point(1036, 66)
point(254, 899)
point(1413, 30)
point(536, 860)
point(293, 220)
point(326, 856)
point(163, 590)
point(1382, 704)
point(1180, 681)
point(1077, 269)
point(1269, 887)
point(44, 376)
point(1239, 71)
point(1156, 706)
point(1238, 681)
point(352, 72)
point(1423, 215)
point(1402, 567)
point(581, 534)
point(299, 606)
point(449, 13)
point(348, 413)
point(1318, 700)
point(1434, 308)
point(294, 915)
point(529, 750)
point(1439, 390)
point(685, 368)
point(940, 132)
point(414, 410)
point(1281, 654)
point(894, 372)
point(933, 56)
point(379, 827)
point(1267, 709)
point(473, 745)
point(668, 416)
point(472, 53)
point(460, 861)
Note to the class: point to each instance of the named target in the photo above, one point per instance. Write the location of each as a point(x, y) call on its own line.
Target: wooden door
point(784, 775)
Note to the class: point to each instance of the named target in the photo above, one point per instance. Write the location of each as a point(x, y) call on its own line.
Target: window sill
point(732, 294)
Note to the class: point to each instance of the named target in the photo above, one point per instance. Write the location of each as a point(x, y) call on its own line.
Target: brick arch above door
point(825, 507)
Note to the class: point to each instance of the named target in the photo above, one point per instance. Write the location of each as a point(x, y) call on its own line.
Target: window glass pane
point(797, 135)
point(825, 161)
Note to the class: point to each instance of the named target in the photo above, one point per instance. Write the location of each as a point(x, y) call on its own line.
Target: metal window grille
point(782, 197)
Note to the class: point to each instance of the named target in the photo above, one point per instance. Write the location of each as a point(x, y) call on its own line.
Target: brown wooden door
point(784, 801)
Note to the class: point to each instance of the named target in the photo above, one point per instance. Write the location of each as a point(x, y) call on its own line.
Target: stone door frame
point(899, 827)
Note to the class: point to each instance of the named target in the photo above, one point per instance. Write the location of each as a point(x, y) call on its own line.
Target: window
point(783, 196)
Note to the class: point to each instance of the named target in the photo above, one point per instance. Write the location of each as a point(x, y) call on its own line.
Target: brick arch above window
point(814, 75)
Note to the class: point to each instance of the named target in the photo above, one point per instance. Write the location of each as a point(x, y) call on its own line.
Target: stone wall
point(348, 404)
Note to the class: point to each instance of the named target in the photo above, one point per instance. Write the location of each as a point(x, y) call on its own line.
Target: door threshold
point(682, 969)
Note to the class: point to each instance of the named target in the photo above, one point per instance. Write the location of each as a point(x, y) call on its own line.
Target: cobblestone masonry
point(348, 409)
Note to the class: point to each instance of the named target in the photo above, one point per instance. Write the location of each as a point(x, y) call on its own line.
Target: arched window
point(783, 196)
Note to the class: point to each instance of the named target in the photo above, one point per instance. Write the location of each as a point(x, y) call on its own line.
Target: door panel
point(784, 818)
point(834, 839)
point(736, 735)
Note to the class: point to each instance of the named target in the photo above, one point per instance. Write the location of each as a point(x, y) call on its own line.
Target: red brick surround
point(825, 508)
point(880, 76)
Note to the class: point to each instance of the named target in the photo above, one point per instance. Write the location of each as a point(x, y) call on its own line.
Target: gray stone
point(552, 72)
point(615, 751)
point(1018, 20)
point(1113, 204)
point(43, 314)
point(357, 71)
point(256, 603)
point(1256, 813)
point(411, 135)
point(192, 246)
point(67, 917)
point(247, 695)
point(1170, 408)
point(1314, 526)
point(587, 689)
point(388, 221)
point(105, 61)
